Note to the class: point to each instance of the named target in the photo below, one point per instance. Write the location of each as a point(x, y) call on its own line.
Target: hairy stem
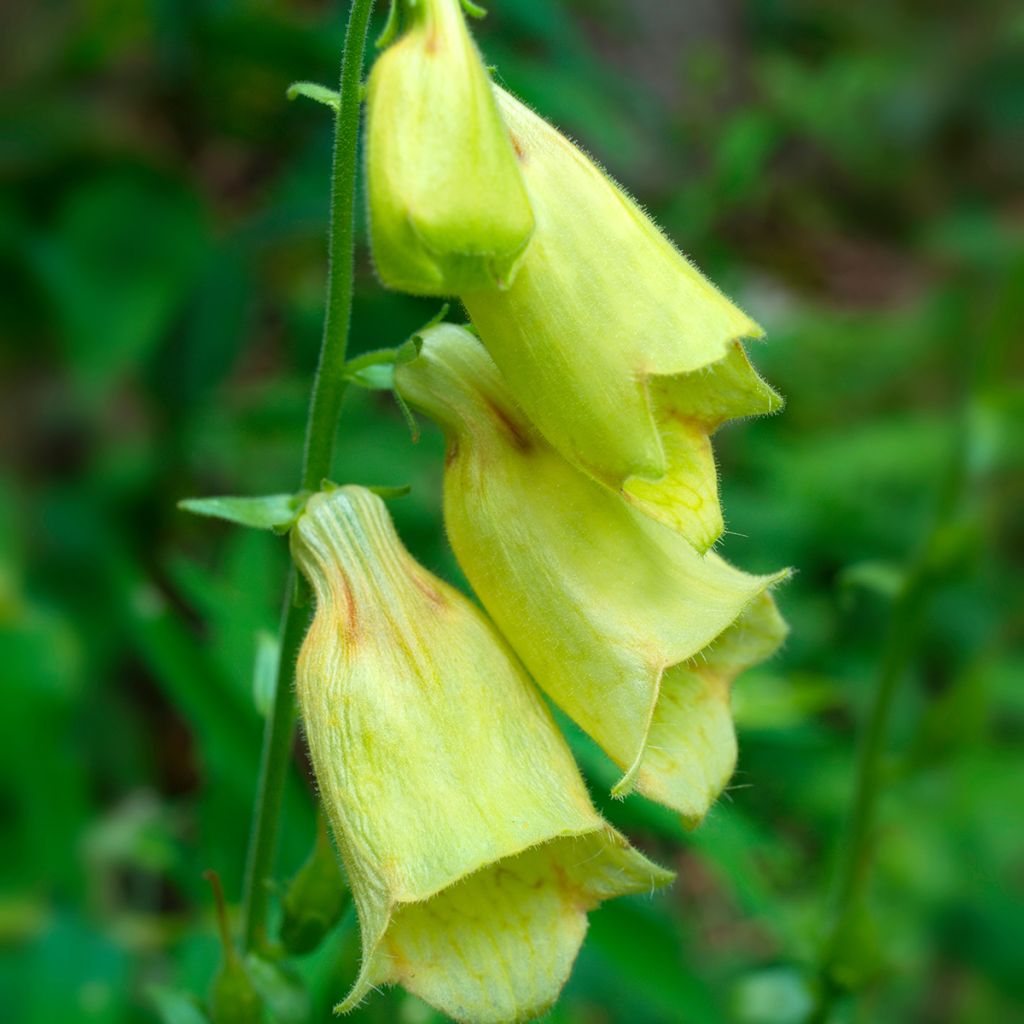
point(321, 428)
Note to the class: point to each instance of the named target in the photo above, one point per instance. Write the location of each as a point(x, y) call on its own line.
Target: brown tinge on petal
point(469, 840)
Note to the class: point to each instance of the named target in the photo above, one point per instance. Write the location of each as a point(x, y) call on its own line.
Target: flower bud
point(609, 610)
point(624, 356)
point(470, 843)
point(233, 997)
point(448, 208)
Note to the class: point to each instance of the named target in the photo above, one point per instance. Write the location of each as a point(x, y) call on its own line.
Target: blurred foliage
point(849, 172)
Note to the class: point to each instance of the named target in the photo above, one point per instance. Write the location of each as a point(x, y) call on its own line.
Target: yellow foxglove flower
point(471, 846)
point(624, 356)
point(609, 610)
point(691, 745)
point(448, 208)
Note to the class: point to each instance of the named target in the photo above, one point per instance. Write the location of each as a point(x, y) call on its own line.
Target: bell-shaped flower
point(471, 846)
point(622, 354)
point(448, 208)
point(614, 614)
point(691, 745)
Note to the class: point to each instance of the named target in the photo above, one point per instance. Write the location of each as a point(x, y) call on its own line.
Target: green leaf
point(281, 989)
point(877, 577)
point(113, 288)
point(316, 92)
point(173, 1007)
point(268, 512)
point(781, 994)
point(639, 946)
point(264, 671)
point(762, 700)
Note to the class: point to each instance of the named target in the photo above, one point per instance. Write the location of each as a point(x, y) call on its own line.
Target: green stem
point(855, 848)
point(901, 643)
point(321, 429)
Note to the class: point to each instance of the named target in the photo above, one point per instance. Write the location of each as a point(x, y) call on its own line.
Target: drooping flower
point(631, 632)
point(448, 208)
point(470, 843)
point(621, 353)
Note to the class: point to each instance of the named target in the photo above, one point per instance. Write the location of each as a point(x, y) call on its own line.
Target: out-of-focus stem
point(901, 642)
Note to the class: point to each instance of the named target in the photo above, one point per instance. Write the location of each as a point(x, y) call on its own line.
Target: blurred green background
point(850, 173)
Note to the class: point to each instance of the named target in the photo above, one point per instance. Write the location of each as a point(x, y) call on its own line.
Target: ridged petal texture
point(471, 845)
point(621, 353)
point(448, 208)
point(628, 629)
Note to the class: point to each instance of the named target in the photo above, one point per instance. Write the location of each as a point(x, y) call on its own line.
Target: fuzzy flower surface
point(472, 849)
point(448, 207)
point(631, 632)
point(620, 351)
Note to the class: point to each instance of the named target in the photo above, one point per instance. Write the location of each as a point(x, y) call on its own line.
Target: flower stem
point(321, 428)
point(920, 583)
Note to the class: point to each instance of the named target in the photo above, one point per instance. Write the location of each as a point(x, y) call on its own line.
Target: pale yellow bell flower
point(621, 353)
point(691, 746)
point(448, 208)
point(614, 614)
point(472, 849)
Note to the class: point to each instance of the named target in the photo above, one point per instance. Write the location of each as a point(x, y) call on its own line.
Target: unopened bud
point(448, 208)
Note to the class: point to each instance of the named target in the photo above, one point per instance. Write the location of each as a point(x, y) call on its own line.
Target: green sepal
point(391, 26)
point(233, 998)
point(375, 370)
point(385, 491)
point(390, 493)
point(276, 512)
point(474, 10)
point(315, 898)
point(407, 415)
point(432, 322)
point(376, 376)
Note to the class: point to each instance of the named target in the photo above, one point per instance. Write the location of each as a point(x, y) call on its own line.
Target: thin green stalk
point(321, 428)
point(855, 848)
point(901, 643)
